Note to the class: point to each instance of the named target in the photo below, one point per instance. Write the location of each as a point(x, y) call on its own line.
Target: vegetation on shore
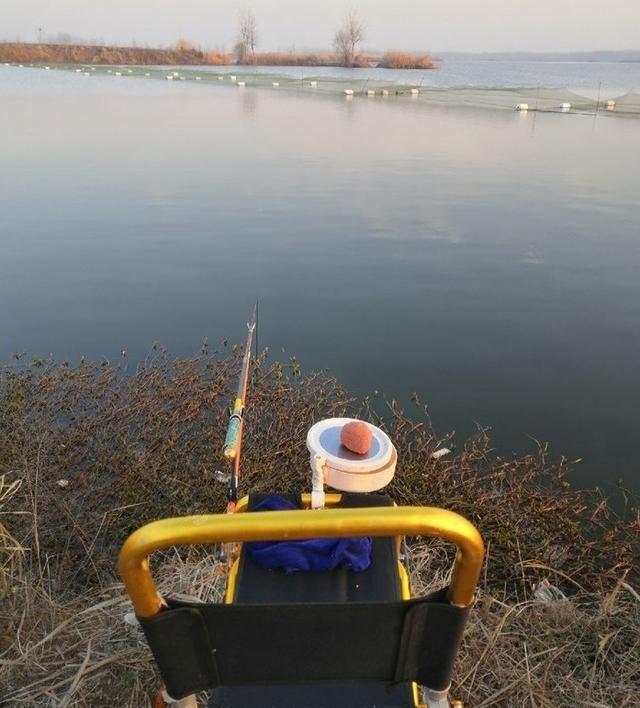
point(183, 53)
point(406, 60)
point(90, 452)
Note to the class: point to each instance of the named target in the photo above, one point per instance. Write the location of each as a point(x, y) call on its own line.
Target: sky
point(445, 25)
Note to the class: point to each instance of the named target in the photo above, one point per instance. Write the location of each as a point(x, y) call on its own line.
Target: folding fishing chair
point(334, 638)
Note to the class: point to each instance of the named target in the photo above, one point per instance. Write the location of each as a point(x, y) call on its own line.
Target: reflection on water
point(487, 260)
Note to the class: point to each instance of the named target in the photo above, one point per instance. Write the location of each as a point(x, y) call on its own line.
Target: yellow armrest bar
point(280, 525)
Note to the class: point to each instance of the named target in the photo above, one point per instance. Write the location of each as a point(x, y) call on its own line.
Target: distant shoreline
point(626, 56)
point(184, 54)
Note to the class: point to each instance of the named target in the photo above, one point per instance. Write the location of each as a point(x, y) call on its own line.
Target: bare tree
point(247, 37)
point(348, 37)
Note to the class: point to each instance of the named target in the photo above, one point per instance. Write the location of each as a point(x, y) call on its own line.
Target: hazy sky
point(446, 25)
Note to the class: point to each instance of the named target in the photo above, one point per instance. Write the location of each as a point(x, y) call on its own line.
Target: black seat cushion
point(378, 583)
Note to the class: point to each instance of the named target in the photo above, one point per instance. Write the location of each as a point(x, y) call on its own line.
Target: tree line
point(345, 42)
point(346, 45)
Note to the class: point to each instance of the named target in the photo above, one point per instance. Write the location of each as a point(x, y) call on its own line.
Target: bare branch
point(245, 48)
point(348, 37)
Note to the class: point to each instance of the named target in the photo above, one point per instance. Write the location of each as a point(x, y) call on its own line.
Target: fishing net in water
point(520, 98)
point(533, 99)
point(627, 103)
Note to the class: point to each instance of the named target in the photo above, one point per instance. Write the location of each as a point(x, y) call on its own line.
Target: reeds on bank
point(184, 53)
point(90, 452)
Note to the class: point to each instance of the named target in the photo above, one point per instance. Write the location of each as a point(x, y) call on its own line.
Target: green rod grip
point(231, 440)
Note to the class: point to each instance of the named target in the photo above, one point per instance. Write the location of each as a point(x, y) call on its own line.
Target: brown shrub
point(183, 45)
point(216, 58)
point(406, 60)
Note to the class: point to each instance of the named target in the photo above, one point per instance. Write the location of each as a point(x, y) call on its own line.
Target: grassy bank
point(184, 53)
point(389, 60)
point(90, 452)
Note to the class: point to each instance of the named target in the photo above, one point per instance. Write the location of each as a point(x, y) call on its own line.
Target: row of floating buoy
point(610, 105)
point(383, 92)
point(172, 76)
point(524, 107)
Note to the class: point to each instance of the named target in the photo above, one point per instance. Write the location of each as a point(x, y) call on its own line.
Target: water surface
point(488, 260)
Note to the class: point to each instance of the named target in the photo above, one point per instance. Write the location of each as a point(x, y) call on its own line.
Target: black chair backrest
point(203, 646)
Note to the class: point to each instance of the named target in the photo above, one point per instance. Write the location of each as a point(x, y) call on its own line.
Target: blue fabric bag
point(309, 555)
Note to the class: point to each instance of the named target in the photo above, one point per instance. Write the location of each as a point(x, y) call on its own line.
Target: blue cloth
point(311, 555)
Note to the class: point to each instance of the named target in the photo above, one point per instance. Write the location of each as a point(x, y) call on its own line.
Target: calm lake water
point(487, 259)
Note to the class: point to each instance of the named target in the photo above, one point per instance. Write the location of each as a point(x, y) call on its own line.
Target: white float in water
point(348, 92)
point(176, 73)
point(276, 84)
point(232, 77)
point(86, 73)
point(118, 73)
point(78, 71)
point(241, 83)
point(522, 107)
point(313, 84)
point(220, 78)
point(147, 74)
point(442, 452)
point(47, 68)
point(169, 77)
point(197, 78)
point(183, 78)
point(565, 107)
point(414, 91)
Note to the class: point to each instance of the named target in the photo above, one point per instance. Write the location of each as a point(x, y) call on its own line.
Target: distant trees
point(348, 37)
point(245, 49)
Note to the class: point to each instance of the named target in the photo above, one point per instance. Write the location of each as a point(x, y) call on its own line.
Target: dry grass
point(183, 53)
point(305, 59)
point(134, 446)
point(291, 59)
point(582, 651)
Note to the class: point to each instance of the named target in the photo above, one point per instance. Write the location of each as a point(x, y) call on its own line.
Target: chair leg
point(435, 699)
point(186, 702)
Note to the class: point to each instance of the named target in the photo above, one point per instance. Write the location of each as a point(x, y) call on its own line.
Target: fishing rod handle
point(230, 447)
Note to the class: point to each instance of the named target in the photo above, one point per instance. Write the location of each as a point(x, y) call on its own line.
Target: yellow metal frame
point(331, 499)
point(232, 578)
point(300, 524)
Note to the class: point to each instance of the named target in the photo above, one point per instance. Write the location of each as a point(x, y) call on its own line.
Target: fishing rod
point(232, 448)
